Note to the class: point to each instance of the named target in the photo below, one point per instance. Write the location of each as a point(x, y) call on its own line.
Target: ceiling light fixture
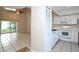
point(10, 9)
point(17, 11)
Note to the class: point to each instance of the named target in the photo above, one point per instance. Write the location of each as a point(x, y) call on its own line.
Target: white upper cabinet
point(70, 19)
point(64, 20)
point(74, 19)
point(56, 20)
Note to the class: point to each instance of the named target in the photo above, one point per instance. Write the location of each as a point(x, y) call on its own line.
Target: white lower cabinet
point(75, 36)
point(55, 37)
point(66, 39)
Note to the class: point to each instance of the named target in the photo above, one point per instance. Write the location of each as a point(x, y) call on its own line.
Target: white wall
point(28, 20)
point(38, 26)
point(41, 29)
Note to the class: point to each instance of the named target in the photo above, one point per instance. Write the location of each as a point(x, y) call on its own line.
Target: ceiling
point(17, 7)
point(60, 10)
point(64, 10)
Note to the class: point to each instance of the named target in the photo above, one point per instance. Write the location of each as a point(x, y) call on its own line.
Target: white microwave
point(65, 34)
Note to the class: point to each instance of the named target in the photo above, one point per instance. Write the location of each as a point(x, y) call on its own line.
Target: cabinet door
point(56, 20)
point(77, 16)
point(74, 36)
point(68, 20)
point(63, 20)
point(73, 19)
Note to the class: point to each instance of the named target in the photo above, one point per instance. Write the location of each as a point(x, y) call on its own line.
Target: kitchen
point(67, 25)
point(66, 28)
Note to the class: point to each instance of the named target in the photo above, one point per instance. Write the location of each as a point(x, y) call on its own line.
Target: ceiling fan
point(19, 11)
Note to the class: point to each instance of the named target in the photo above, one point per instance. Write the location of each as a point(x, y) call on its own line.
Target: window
point(8, 26)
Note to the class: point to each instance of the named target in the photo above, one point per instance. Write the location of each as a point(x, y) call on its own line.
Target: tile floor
point(12, 42)
point(64, 46)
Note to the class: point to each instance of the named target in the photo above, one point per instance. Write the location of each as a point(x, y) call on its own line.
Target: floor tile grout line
point(10, 43)
point(2, 45)
point(70, 47)
point(62, 46)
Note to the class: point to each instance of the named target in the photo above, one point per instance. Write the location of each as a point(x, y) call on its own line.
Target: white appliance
point(66, 35)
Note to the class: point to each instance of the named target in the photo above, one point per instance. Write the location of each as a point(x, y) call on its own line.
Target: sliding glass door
point(8, 26)
point(7, 33)
point(5, 26)
point(13, 26)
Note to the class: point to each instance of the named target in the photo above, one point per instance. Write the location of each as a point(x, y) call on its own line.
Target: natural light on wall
point(65, 26)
